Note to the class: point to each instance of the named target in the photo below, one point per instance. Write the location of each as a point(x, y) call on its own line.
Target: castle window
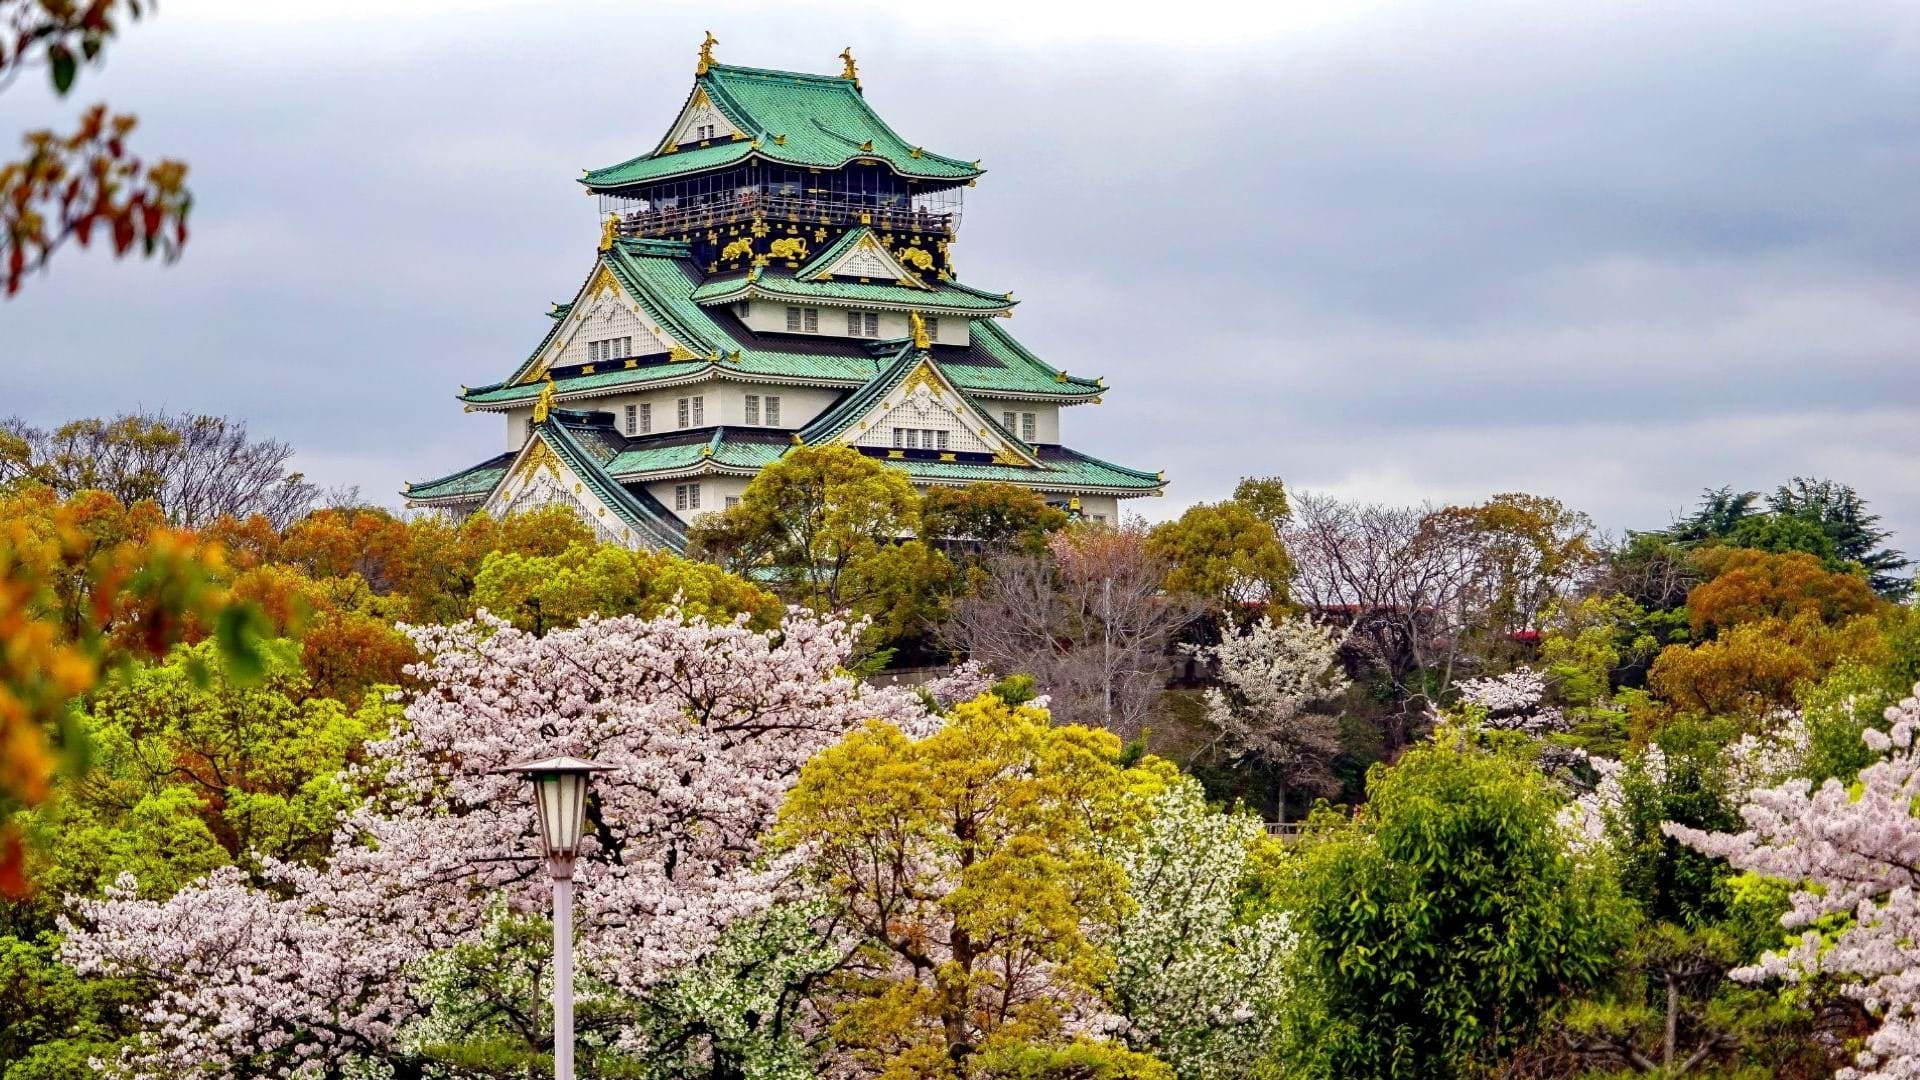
point(633, 419)
point(863, 324)
point(733, 501)
point(1010, 422)
point(913, 438)
point(699, 410)
point(1027, 426)
point(686, 497)
point(773, 410)
point(685, 412)
point(940, 438)
point(753, 408)
point(899, 437)
point(804, 320)
point(646, 418)
point(593, 351)
point(933, 327)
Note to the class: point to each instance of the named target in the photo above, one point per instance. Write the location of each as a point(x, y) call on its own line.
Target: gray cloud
point(1398, 250)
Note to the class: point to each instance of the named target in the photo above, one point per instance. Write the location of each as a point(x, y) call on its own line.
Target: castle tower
point(777, 270)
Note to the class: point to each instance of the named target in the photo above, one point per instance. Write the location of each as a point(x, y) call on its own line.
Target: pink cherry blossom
point(1849, 852)
point(704, 727)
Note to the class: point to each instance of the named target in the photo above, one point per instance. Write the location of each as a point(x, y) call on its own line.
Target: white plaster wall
point(714, 492)
point(604, 318)
point(1046, 418)
point(770, 316)
point(931, 414)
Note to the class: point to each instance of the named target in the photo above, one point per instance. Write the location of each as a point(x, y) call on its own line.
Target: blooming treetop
point(704, 727)
point(1196, 980)
point(1851, 852)
point(1513, 701)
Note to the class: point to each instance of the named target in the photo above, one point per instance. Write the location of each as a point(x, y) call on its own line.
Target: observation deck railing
point(823, 209)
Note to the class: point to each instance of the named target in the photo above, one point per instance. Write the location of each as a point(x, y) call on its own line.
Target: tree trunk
point(1673, 1024)
point(1280, 801)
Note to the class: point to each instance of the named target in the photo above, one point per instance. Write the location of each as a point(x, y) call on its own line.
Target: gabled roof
point(467, 485)
point(661, 278)
point(859, 243)
point(637, 510)
point(582, 444)
point(788, 118)
point(909, 366)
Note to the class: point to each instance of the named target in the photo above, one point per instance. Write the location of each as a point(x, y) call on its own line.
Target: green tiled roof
point(660, 276)
point(719, 449)
point(474, 482)
point(941, 295)
point(641, 511)
point(1060, 467)
point(857, 404)
point(809, 121)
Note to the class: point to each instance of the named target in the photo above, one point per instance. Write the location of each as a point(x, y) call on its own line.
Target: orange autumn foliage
point(1749, 586)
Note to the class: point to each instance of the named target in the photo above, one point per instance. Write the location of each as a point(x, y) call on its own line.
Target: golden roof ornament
point(852, 71)
point(706, 54)
point(920, 339)
point(609, 229)
point(543, 405)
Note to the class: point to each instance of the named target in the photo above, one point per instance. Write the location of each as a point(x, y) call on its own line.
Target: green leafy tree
point(968, 865)
point(1228, 556)
point(1438, 927)
point(831, 529)
point(1842, 516)
point(538, 593)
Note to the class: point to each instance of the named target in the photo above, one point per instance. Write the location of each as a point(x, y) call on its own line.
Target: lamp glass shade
point(561, 797)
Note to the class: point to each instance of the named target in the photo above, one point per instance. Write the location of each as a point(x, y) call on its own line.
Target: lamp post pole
point(562, 871)
point(560, 794)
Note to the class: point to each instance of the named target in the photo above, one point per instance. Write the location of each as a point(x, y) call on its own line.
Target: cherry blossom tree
point(1271, 675)
point(1854, 855)
point(705, 727)
point(1199, 974)
point(1514, 701)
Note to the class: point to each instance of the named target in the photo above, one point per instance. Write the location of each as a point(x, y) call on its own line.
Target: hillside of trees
point(946, 785)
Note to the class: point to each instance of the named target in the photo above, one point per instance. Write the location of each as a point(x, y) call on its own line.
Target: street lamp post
point(560, 794)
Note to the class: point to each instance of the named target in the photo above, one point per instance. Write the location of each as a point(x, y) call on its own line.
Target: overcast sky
point(1614, 253)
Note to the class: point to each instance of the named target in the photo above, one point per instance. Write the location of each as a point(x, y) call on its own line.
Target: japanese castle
point(777, 271)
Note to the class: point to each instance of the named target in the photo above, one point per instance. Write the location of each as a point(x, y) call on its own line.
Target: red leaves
point(66, 186)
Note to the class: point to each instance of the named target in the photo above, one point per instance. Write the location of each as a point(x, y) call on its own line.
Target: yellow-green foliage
point(539, 593)
point(958, 858)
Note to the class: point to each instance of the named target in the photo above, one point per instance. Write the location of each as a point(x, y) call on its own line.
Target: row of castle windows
point(773, 409)
point(919, 438)
point(1027, 424)
point(611, 349)
point(859, 323)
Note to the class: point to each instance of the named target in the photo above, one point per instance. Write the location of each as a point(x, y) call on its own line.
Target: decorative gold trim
point(851, 72)
point(586, 369)
point(543, 405)
point(706, 54)
point(919, 325)
point(609, 230)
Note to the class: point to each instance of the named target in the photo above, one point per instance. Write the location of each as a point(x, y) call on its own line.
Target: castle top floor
point(757, 144)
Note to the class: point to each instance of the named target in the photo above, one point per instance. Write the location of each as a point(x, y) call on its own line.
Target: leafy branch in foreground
point(69, 186)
